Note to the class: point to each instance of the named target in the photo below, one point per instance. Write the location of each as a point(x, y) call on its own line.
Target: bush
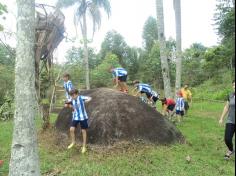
point(100, 75)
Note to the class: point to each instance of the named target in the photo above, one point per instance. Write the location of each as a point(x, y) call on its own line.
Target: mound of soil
point(115, 116)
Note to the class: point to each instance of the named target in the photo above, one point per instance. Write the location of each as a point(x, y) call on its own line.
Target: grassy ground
point(204, 145)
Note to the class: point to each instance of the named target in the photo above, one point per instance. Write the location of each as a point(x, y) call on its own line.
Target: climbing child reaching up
point(79, 117)
point(141, 88)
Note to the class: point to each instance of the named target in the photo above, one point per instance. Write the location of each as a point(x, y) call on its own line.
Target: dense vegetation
point(200, 63)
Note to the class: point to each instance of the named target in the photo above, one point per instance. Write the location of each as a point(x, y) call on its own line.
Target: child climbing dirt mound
point(115, 116)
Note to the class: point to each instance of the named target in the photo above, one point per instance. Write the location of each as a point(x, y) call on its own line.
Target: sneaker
point(84, 150)
point(71, 145)
point(228, 155)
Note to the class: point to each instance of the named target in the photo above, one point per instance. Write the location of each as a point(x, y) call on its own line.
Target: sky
point(128, 18)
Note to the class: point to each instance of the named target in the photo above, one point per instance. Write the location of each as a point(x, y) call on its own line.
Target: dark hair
point(74, 91)
point(66, 75)
point(233, 81)
point(136, 82)
point(163, 101)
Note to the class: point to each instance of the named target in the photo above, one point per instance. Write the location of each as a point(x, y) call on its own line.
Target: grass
point(204, 145)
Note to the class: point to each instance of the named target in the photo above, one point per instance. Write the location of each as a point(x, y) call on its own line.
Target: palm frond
point(105, 4)
point(66, 3)
point(96, 16)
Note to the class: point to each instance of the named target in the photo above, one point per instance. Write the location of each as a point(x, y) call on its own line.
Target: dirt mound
point(115, 116)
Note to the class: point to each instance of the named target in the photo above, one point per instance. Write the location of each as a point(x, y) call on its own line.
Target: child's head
point(163, 101)
point(74, 94)
point(179, 94)
point(66, 77)
point(136, 82)
point(185, 86)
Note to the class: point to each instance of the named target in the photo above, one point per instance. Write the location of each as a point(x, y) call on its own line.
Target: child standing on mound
point(79, 117)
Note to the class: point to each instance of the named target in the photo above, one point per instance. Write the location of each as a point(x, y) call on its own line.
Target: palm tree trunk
point(24, 153)
point(86, 54)
point(177, 8)
point(163, 53)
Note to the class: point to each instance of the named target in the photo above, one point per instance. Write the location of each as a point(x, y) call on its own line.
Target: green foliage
point(84, 7)
point(7, 108)
point(225, 22)
point(193, 72)
point(7, 55)
point(215, 91)
point(150, 33)
point(100, 75)
point(150, 67)
point(76, 56)
point(45, 83)
point(3, 9)
point(216, 61)
point(115, 43)
point(225, 19)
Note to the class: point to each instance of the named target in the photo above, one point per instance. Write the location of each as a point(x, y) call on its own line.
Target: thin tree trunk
point(163, 53)
point(24, 153)
point(86, 54)
point(177, 8)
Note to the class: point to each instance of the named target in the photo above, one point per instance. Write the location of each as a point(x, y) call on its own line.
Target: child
point(141, 89)
point(168, 106)
point(120, 78)
point(79, 117)
point(179, 106)
point(68, 86)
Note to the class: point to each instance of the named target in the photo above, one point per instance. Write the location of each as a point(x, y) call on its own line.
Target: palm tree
point(24, 153)
point(177, 8)
point(86, 8)
point(163, 50)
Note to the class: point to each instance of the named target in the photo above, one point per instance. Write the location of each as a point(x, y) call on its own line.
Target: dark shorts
point(123, 78)
point(180, 113)
point(171, 107)
point(149, 95)
point(155, 99)
point(83, 124)
point(186, 105)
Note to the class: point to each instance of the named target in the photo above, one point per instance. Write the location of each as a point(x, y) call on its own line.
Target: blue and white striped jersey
point(180, 104)
point(146, 88)
point(155, 94)
point(79, 113)
point(68, 86)
point(119, 72)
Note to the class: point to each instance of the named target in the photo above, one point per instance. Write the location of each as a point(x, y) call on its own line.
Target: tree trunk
point(46, 117)
point(24, 153)
point(86, 54)
point(177, 8)
point(163, 53)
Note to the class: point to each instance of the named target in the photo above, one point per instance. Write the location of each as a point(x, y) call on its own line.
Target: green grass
point(204, 144)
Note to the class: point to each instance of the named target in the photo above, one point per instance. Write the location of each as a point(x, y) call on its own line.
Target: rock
point(115, 116)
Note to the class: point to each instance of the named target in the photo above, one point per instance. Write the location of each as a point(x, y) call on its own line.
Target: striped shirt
point(68, 86)
point(180, 104)
point(155, 94)
point(144, 88)
point(119, 72)
point(79, 113)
